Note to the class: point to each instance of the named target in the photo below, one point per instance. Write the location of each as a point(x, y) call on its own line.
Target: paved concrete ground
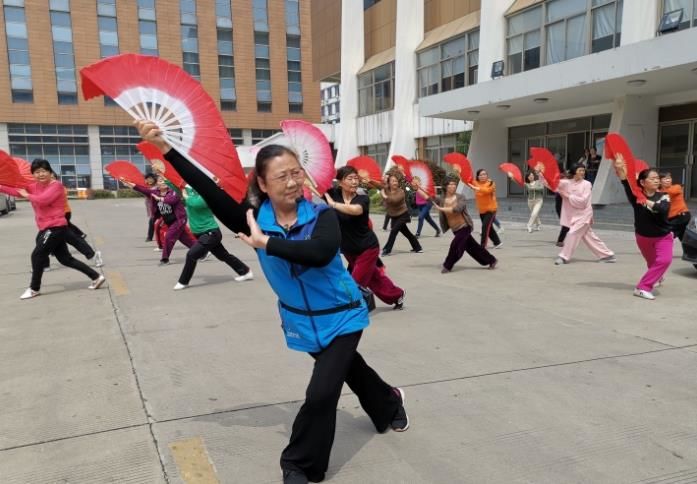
point(531, 373)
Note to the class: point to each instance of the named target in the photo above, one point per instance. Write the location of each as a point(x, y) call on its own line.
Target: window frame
point(372, 88)
point(443, 60)
point(692, 16)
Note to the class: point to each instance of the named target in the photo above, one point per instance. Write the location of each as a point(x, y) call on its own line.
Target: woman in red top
point(679, 215)
point(47, 198)
point(485, 194)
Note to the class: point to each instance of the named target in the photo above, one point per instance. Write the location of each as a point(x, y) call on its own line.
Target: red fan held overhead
point(640, 166)
point(513, 172)
point(543, 160)
point(461, 165)
point(421, 174)
point(616, 147)
point(159, 164)
point(403, 163)
point(314, 153)
point(367, 168)
point(126, 170)
point(152, 89)
point(13, 171)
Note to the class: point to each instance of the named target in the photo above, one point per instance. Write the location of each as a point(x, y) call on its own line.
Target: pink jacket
point(48, 202)
point(576, 209)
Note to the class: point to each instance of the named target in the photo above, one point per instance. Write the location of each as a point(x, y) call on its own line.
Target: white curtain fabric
point(603, 22)
point(576, 37)
point(555, 43)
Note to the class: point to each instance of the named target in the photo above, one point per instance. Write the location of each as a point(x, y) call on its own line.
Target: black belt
point(321, 312)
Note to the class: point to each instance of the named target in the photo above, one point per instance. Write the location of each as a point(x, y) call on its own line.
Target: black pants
point(313, 429)
point(488, 232)
point(562, 234)
point(151, 228)
point(385, 222)
point(52, 241)
point(679, 224)
point(76, 237)
point(464, 242)
point(209, 242)
point(400, 224)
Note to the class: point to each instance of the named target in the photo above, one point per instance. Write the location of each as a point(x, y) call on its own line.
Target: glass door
point(675, 152)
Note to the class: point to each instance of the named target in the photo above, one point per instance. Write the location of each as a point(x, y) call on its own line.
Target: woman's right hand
point(152, 134)
point(620, 167)
point(127, 183)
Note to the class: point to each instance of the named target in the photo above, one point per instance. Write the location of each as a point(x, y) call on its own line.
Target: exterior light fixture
point(541, 100)
point(636, 82)
point(504, 106)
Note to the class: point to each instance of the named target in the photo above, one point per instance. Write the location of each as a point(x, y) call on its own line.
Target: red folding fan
point(461, 165)
point(314, 153)
point(159, 163)
point(399, 160)
point(126, 170)
point(640, 165)
point(615, 144)
point(512, 171)
point(155, 90)
point(542, 159)
point(24, 169)
point(11, 174)
point(367, 168)
point(422, 173)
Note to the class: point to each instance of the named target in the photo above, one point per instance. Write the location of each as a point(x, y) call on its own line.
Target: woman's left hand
point(23, 193)
point(257, 239)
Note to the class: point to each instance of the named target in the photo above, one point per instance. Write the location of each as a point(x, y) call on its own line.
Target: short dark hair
point(664, 174)
point(40, 163)
point(644, 174)
point(576, 167)
point(345, 171)
point(150, 175)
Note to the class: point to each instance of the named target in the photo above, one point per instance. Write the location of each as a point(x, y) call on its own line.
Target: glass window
point(451, 65)
point(689, 11)
point(61, 5)
point(375, 90)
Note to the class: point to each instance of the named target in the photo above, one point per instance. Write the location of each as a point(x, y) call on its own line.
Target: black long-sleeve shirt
point(649, 222)
point(317, 251)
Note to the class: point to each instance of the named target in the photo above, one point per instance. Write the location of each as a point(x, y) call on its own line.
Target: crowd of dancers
point(324, 305)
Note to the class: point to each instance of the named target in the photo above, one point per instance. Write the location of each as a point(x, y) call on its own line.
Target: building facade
point(521, 73)
point(329, 103)
point(254, 57)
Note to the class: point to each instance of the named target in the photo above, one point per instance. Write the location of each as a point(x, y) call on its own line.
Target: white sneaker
point(206, 258)
point(644, 294)
point(498, 246)
point(538, 228)
point(500, 229)
point(157, 249)
point(611, 259)
point(559, 261)
point(529, 229)
point(98, 262)
point(29, 293)
point(179, 286)
point(96, 284)
point(245, 277)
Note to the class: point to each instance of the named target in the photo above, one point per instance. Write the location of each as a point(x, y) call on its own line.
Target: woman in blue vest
point(321, 308)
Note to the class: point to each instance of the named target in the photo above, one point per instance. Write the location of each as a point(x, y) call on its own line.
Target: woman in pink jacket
point(577, 214)
point(47, 198)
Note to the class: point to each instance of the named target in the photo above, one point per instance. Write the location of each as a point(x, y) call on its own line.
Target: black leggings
point(313, 429)
point(76, 237)
point(52, 241)
point(400, 224)
point(487, 219)
point(210, 241)
point(151, 228)
point(679, 223)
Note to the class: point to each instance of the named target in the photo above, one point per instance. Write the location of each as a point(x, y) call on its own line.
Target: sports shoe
point(29, 293)
point(417, 235)
point(444, 270)
point(492, 266)
point(179, 286)
point(529, 229)
point(609, 259)
point(560, 261)
point(157, 249)
point(399, 305)
point(47, 269)
point(163, 262)
point(559, 244)
point(538, 228)
point(400, 421)
point(294, 477)
point(248, 276)
point(384, 254)
point(498, 246)
point(98, 262)
point(660, 282)
point(499, 229)
point(644, 294)
point(205, 258)
point(437, 233)
point(97, 283)
point(417, 251)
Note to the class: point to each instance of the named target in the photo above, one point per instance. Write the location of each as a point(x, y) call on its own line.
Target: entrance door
point(676, 153)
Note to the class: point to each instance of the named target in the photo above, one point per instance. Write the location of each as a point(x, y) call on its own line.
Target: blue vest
point(316, 304)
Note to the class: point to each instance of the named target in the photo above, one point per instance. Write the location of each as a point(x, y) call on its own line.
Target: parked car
point(7, 203)
point(689, 243)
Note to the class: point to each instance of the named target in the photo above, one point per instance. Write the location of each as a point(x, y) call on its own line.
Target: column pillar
point(95, 157)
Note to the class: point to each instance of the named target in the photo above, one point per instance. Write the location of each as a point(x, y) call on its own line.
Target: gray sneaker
point(609, 259)
point(400, 421)
point(559, 261)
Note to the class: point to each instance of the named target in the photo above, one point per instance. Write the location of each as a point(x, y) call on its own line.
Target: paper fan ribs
point(152, 89)
point(313, 150)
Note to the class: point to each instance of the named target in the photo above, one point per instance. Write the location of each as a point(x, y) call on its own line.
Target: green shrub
point(128, 193)
point(97, 194)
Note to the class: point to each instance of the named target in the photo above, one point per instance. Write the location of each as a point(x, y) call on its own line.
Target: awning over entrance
point(665, 65)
